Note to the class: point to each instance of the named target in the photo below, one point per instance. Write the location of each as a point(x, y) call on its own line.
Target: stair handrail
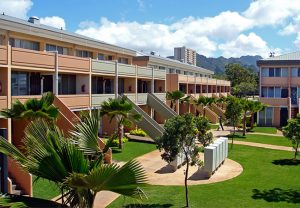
point(163, 104)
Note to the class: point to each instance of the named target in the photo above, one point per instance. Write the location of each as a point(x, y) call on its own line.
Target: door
point(35, 84)
point(283, 116)
point(294, 95)
point(48, 83)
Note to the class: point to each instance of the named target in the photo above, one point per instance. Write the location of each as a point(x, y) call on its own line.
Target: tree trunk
point(185, 181)
point(244, 124)
point(232, 136)
point(120, 135)
point(296, 150)
point(204, 113)
point(252, 120)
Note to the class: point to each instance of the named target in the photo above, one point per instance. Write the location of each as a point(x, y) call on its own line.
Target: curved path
point(159, 173)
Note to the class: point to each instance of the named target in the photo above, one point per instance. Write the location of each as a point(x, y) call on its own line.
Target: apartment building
point(279, 88)
point(82, 73)
point(185, 55)
point(191, 80)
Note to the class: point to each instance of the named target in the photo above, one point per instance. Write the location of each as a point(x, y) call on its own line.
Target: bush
point(114, 142)
point(138, 132)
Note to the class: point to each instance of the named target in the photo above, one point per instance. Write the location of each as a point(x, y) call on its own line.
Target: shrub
point(114, 141)
point(138, 132)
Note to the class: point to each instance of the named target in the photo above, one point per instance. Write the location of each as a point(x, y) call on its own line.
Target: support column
point(9, 98)
point(4, 165)
point(55, 80)
point(116, 79)
point(90, 84)
point(136, 83)
point(152, 91)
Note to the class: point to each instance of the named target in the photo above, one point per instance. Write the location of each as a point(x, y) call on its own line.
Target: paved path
point(267, 146)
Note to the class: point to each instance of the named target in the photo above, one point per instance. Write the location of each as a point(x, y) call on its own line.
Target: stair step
point(14, 186)
point(17, 192)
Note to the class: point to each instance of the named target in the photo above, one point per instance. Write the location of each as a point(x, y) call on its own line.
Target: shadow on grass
point(277, 195)
point(21, 201)
point(148, 205)
point(288, 162)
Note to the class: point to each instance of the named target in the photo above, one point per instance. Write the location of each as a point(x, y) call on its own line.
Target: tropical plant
point(233, 113)
point(221, 101)
point(186, 100)
point(121, 110)
point(174, 97)
point(74, 164)
point(255, 107)
point(33, 109)
point(292, 132)
point(246, 107)
point(205, 102)
point(138, 132)
point(179, 137)
point(204, 136)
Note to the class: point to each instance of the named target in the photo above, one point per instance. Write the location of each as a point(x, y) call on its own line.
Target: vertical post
point(136, 83)
point(9, 122)
point(4, 165)
point(152, 91)
point(55, 84)
point(116, 79)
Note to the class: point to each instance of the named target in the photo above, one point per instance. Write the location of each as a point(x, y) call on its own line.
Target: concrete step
point(17, 192)
point(14, 186)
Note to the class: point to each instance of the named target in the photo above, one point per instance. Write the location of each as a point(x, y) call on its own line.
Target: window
point(295, 72)
point(123, 60)
point(271, 72)
point(278, 72)
point(277, 92)
point(178, 71)
point(59, 49)
point(162, 68)
point(270, 92)
point(186, 73)
point(264, 72)
point(101, 56)
point(109, 58)
point(171, 71)
point(284, 72)
point(284, 92)
point(266, 117)
point(19, 83)
point(26, 44)
point(84, 54)
point(66, 84)
point(264, 92)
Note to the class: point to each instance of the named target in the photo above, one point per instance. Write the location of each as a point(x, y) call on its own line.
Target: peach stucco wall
point(3, 102)
point(3, 55)
point(276, 117)
point(3, 81)
point(274, 81)
point(275, 101)
point(75, 101)
point(73, 63)
point(24, 57)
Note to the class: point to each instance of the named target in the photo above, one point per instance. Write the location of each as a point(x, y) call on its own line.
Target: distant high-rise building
point(185, 55)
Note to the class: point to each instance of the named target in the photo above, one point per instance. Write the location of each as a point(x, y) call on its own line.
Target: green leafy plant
point(174, 97)
point(75, 163)
point(204, 136)
point(138, 132)
point(205, 102)
point(292, 132)
point(121, 110)
point(33, 109)
point(179, 137)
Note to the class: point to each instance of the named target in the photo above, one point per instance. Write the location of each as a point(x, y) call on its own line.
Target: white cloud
point(16, 8)
point(250, 44)
point(271, 12)
point(147, 37)
point(54, 21)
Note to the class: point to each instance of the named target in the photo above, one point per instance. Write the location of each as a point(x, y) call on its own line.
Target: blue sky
point(212, 27)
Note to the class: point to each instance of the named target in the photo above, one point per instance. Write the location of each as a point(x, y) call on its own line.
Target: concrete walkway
point(267, 146)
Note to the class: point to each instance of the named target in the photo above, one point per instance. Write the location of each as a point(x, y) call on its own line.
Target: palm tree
point(121, 110)
point(186, 100)
point(174, 97)
point(74, 164)
point(246, 107)
point(205, 102)
point(33, 109)
point(255, 107)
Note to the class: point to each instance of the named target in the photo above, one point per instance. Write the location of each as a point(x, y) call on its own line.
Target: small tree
point(122, 111)
point(205, 102)
point(174, 97)
point(292, 132)
point(246, 107)
point(233, 113)
point(255, 107)
point(179, 136)
point(204, 136)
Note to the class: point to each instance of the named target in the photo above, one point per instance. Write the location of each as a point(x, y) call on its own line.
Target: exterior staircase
point(209, 114)
point(160, 107)
point(16, 188)
point(149, 125)
point(218, 110)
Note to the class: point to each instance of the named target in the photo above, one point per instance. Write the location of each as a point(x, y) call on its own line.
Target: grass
point(44, 189)
point(269, 179)
point(267, 130)
point(213, 126)
point(264, 139)
point(131, 150)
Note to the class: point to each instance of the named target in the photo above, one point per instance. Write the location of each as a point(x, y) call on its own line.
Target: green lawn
point(268, 130)
point(269, 179)
point(275, 140)
point(44, 189)
point(213, 126)
point(131, 150)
